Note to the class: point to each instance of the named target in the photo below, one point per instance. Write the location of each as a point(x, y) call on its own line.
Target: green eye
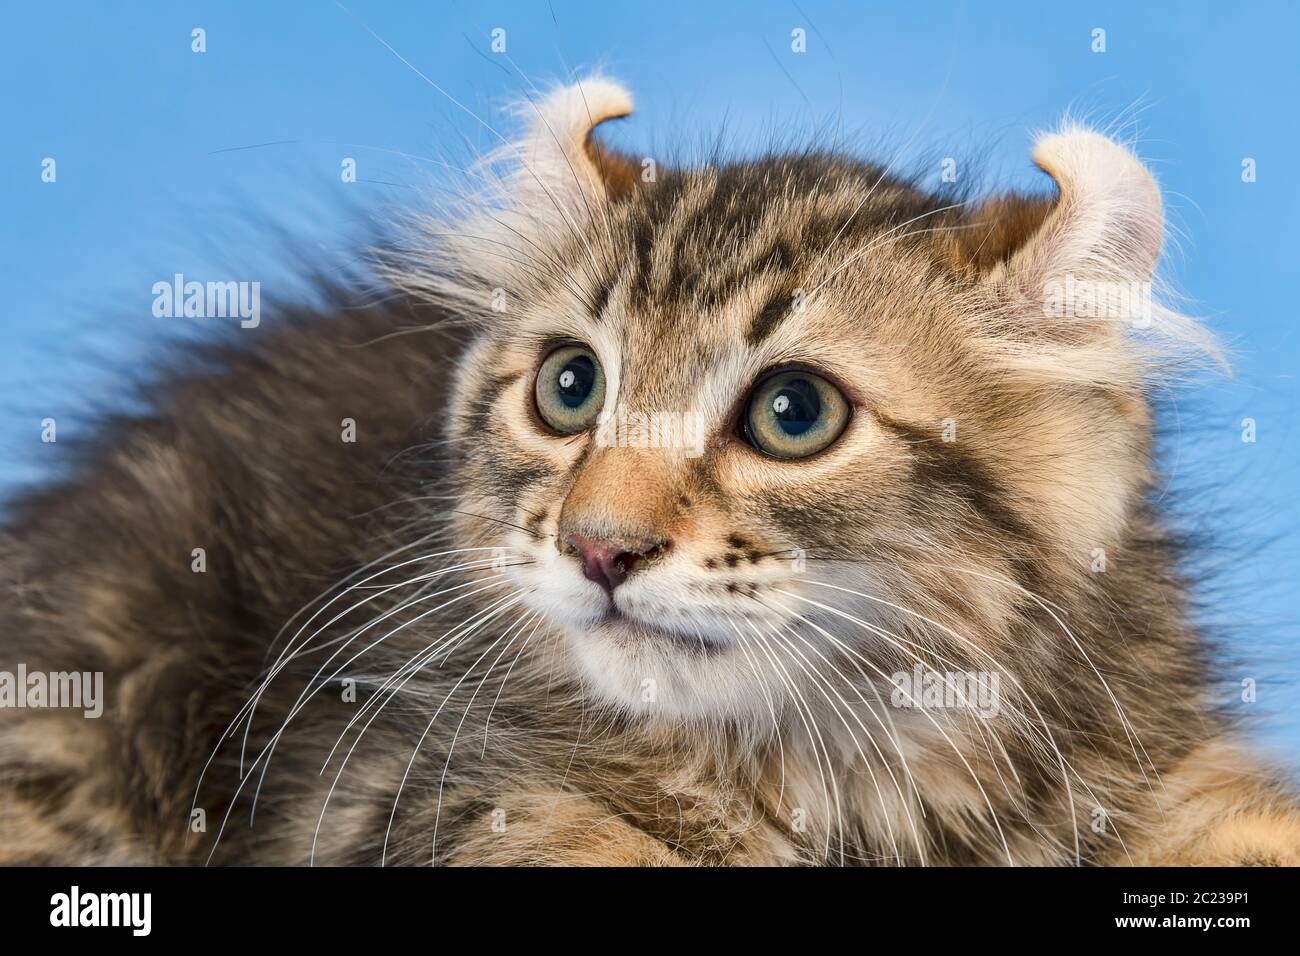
point(795, 414)
point(570, 389)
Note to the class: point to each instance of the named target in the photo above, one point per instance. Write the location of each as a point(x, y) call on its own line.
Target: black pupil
point(575, 380)
point(796, 406)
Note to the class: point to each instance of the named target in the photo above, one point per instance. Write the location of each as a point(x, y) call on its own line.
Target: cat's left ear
point(1103, 232)
point(560, 168)
point(1108, 222)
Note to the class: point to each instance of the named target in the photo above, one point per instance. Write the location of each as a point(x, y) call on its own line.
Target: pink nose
point(608, 563)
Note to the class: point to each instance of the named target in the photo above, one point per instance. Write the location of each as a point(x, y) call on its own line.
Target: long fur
point(391, 655)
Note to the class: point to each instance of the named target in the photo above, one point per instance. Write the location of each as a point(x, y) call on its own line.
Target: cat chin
point(658, 675)
point(656, 661)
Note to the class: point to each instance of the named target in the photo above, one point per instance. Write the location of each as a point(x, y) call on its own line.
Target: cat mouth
point(619, 622)
point(624, 628)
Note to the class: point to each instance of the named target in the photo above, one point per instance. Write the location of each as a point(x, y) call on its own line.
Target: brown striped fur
point(739, 710)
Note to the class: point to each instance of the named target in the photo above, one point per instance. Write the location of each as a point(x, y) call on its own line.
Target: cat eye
point(794, 414)
point(570, 389)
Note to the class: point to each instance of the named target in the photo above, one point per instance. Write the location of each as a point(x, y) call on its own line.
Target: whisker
point(1048, 737)
point(269, 748)
point(511, 600)
point(442, 781)
point(487, 723)
point(517, 527)
point(904, 802)
point(814, 735)
point(419, 598)
point(818, 680)
point(251, 704)
point(1133, 740)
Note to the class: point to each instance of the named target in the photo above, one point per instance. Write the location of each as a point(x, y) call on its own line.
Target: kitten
point(760, 513)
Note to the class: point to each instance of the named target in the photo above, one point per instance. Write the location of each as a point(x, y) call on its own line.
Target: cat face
point(739, 424)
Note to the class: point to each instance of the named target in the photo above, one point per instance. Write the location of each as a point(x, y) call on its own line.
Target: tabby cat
point(769, 512)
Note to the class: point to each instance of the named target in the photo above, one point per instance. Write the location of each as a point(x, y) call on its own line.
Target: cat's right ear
point(1102, 232)
point(1071, 279)
point(1106, 221)
point(559, 168)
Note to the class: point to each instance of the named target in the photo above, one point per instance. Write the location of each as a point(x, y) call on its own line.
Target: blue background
point(161, 159)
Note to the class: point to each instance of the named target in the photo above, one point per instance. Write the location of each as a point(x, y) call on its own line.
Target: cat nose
point(609, 563)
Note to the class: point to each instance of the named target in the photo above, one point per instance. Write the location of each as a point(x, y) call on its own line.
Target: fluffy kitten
point(756, 513)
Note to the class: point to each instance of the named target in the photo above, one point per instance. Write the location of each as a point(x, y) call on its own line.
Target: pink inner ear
point(1108, 224)
point(1001, 226)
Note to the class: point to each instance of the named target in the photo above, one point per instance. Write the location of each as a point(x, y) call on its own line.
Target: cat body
point(384, 585)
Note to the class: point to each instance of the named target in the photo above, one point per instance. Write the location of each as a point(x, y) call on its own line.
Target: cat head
point(735, 424)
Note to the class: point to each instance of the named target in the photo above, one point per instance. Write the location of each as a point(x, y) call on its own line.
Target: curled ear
point(1088, 264)
point(1108, 221)
point(1068, 282)
point(559, 167)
